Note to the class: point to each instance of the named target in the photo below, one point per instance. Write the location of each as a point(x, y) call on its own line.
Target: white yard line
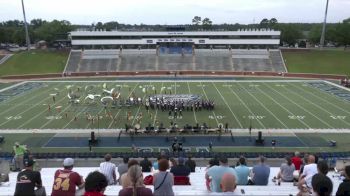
point(110, 124)
point(30, 120)
point(155, 116)
point(12, 86)
point(25, 101)
point(301, 107)
point(283, 108)
point(216, 119)
point(194, 112)
point(138, 110)
point(29, 108)
point(325, 100)
point(229, 107)
point(267, 109)
point(321, 108)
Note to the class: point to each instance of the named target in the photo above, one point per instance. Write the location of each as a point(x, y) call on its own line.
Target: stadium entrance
point(175, 48)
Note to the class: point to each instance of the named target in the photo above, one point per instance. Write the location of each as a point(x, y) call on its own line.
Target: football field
point(262, 104)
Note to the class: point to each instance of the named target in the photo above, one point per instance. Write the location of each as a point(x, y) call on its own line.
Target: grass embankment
point(316, 61)
point(34, 62)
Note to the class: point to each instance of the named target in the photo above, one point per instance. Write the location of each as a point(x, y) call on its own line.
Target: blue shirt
point(242, 174)
point(155, 165)
point(261, 174)
point(216, 173)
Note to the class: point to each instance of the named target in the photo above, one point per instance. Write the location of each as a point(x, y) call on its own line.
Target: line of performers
point(179, 105)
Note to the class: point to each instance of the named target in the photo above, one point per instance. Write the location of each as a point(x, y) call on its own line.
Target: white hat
point(68, 162)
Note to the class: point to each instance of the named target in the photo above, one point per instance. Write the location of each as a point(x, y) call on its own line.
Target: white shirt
point(108, 168)
point(309, 171)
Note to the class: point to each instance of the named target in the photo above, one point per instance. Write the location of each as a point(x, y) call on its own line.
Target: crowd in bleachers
point(308, 174)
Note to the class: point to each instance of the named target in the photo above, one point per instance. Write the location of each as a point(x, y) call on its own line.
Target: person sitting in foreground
point(136, 188)
point(309, 170)
point(163, 181)
point(228, 183)
point(286, 171)
point(242, 171)
point(191, 163)
point(344, 187)
point(215, 174)
point(125, 180)
point(180, 169)
point(108, 169)
point(260, 173)
point(95, 184)
point(146, 165)
point(322, 185)
point(123, 168)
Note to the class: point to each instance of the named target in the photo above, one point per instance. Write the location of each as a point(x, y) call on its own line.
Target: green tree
point(290, 34)
point(207, 23)
point(264, 23)
point(51, 31)
point(343, 34)
point(273, 22)
point(197, 20)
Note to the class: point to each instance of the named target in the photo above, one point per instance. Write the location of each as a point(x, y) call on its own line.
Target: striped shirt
point(108, 169)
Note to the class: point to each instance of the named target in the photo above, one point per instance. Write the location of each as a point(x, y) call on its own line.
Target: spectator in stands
point(66, 180)
point(180, 169)
point(28, 179)
point(212, 162)
point(322, 167)
point(19, 151)
point(108, 169)
point(146, 165)
point(125, 179)
point(296, 160)
point(95, 184)
point(135, 189)
point(123, 168)
point(155, 163)
point(191, 163)
point(309, 171)
point(344, 187)
point(228, 183)
point(163, 181)
point(242, 171)
point(172, 163)
point(286, 172)
point(322, 185)
point(260, 173)
point(215, 174)
point(305, 161)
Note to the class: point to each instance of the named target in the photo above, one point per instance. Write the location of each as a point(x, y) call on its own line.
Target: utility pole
point(324, 27)
point(26, 27)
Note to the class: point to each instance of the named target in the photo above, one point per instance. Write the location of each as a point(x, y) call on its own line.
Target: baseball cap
point(68, 162)
point(17, 143)
point(28, 162)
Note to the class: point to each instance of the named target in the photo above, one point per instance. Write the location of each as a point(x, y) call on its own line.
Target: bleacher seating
point(197, 186)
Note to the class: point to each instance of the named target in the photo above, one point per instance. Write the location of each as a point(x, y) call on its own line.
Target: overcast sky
point(175, 11)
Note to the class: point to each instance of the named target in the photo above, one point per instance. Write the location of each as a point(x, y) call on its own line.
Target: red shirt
point(297, 162)
point(93, 194)
point(65, 182)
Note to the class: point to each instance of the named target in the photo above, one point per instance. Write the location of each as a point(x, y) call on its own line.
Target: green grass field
point(266, 105)
point(269, 105)
point(316, 61)
point(34, 62)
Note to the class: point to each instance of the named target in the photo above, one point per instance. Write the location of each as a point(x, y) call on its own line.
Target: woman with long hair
point(136, 189)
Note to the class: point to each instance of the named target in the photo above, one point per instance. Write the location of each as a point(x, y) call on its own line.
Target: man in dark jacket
point(146, 165)
point(344, 187)
point(191, 164)
point(180, 169)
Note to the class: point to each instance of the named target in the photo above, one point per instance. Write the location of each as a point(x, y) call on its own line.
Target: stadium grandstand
point(115, 51)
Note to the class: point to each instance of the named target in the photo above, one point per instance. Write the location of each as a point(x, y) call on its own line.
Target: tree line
point(12, 31)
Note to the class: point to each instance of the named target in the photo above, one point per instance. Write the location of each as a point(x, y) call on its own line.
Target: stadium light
point(324, 27)
point(26, 27)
